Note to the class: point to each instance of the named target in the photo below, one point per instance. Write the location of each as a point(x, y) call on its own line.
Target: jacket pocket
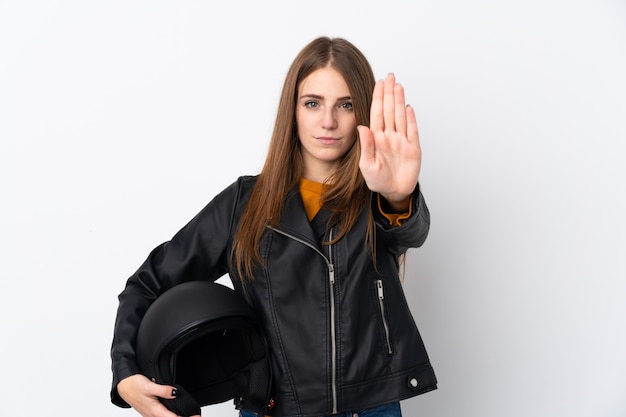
point(383, 314)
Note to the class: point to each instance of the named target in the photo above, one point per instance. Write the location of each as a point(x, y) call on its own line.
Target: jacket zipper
point(381, 301)
point(333, 337)
point(331, 278)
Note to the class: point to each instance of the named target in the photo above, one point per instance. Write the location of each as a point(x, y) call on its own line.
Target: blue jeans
point(387, 410)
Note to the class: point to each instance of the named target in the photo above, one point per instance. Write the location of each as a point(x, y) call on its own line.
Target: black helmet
point(202, 337)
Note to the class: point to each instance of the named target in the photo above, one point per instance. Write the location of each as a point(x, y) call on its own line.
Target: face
point(325, 121)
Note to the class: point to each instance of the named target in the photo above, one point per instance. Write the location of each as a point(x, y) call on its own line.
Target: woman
point(314, 242)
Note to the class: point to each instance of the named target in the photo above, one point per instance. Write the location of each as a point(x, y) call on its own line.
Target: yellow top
point(311, 193)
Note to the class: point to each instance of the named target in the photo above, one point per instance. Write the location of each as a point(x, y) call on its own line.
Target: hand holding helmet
point(143, 395)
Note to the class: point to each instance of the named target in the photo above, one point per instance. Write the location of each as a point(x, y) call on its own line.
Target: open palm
point(390, 149)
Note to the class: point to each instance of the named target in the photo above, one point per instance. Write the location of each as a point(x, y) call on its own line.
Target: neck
point(320, 173)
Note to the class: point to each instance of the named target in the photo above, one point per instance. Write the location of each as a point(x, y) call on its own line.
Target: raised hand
point(390, 150)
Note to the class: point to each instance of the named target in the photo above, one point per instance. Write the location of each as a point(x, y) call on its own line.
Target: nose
point(329, 119)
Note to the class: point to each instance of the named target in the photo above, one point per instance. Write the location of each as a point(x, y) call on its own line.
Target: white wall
point(119, 120)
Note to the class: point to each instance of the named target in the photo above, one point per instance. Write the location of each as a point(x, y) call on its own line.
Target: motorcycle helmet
point(203, 338)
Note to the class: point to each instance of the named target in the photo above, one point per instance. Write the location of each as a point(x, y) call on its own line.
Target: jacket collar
point(295, 222)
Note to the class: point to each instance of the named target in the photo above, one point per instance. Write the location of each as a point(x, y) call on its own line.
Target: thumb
point(368, 149)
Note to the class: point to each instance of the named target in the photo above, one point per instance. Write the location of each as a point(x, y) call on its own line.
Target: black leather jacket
point(340, 331)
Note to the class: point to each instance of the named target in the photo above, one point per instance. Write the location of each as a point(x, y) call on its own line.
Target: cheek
point(350, 120)
point(302, 121)
point(350, 127)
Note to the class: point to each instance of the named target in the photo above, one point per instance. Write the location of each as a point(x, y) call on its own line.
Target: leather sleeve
point(199, 251)
point(413, 231)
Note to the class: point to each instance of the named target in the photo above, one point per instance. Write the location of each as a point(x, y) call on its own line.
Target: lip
point(327, 140)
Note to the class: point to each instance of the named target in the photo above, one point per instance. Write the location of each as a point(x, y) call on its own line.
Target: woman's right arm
point(199, 251)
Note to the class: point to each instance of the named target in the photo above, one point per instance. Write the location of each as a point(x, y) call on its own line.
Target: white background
point(119, 120)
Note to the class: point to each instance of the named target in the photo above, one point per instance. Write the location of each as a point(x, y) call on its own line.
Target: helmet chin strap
point(183, 405)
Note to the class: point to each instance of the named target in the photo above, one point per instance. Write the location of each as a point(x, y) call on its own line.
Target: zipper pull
point(379, 285)
point(331, 273)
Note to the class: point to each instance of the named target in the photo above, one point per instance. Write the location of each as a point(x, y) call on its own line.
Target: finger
point(163, 391)
point(389, 102)
point(400, 110)
point(412, 133)
point(159, 409)
point(376, 111)
point(368, 148)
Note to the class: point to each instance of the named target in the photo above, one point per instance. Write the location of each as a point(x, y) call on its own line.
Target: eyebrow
point(318, 97)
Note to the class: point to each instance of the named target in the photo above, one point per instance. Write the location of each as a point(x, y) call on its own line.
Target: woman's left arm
point(391, 159)
point(412, 232)
point(390, 149)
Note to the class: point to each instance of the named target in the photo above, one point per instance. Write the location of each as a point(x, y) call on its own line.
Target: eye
point(311, 104)
point(347, 105)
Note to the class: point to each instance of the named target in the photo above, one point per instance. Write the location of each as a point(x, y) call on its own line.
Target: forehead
point(327, 82)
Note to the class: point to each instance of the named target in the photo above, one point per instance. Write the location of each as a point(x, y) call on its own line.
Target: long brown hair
point(347, 193)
